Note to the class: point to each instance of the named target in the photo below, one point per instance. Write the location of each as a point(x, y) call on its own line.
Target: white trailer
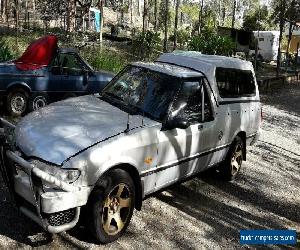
point(268, 42)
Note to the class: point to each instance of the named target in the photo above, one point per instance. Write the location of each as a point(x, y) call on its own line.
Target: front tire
point(233, 162)
point(17, 101)
point(111, 206)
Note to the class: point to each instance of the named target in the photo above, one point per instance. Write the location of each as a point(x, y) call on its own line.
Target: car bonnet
point(59, 131)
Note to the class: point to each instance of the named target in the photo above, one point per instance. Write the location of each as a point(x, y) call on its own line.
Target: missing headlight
point(63, 174)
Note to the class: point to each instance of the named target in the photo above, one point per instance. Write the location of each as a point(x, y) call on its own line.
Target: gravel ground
point(203, 212)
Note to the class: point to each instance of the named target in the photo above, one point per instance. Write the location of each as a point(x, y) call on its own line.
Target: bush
point(104, 59)
point(183, 36)
point(212, 44)
point(5, 52)
point(146, 44)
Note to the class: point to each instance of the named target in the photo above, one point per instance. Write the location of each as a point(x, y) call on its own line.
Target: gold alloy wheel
point(116, 209)
point(236, 160)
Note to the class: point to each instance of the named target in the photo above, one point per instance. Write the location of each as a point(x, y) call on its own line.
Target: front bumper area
point(56, 209)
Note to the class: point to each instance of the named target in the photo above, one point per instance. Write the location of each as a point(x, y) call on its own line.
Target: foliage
point(212, 44)
point(104, 59)
point(190, 12)
point(51, 9)
point(162, 16)
point(183, 36)
point(5, 52)
point(258, 19)
point(146, 44)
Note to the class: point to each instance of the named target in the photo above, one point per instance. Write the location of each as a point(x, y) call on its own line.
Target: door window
point(193, 107)
point(235, 83)
point(67, 64)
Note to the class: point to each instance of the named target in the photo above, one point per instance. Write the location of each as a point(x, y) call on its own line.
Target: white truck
point(153, 125)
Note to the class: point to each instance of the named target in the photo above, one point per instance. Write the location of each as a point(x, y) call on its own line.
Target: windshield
point(143, 91)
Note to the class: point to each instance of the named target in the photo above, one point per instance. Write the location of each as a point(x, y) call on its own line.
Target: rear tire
point(111, 205)
point(233, 162)
point(38, 101)
point(17, 102)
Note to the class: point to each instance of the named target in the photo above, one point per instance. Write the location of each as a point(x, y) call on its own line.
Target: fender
point(18, 84)
point(130, 166)
point(118, 161)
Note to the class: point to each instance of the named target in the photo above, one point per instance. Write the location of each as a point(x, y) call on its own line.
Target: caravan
point(268, 42)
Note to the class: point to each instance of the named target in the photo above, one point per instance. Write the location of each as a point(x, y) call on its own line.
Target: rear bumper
point(56, 209)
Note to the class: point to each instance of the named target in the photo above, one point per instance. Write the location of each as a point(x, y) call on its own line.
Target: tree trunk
point(176, 23)
point(71, 11)
point(131, 12)
point(233, 14)
point(155, 14)
point(281, 26)
point(17, 23)
point(101, 3)
point(291, 27)
point(166, 26)
point(4, 10)
point(200, 17)
point(145, 14)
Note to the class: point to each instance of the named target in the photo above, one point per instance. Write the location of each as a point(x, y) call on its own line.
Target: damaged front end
point(46, 197)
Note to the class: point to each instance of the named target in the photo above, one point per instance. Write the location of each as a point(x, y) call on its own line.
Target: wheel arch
point(15, 85)
point(242, 135)
point(138, 183)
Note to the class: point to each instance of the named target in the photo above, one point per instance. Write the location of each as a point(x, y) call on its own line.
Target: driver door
point(180, 150)
point(70, 72)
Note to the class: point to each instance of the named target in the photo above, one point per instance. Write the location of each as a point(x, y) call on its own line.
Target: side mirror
point(176, 122)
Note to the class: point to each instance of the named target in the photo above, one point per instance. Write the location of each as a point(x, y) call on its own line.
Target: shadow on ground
point(18, 227)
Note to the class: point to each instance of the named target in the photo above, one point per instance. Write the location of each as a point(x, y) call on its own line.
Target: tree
point(280, 9)
point(145, 14)
point(285, 11)
point(176, 23)
point(291, 15)
point(233, 14)
point(258, 19)
point(166, 26)
point(200, 16)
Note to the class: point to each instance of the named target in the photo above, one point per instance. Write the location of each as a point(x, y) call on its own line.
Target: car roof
point(169, 69)
point(205, 64)
point(198, 61)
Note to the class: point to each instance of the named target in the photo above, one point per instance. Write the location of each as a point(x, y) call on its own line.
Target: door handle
point(200, 127)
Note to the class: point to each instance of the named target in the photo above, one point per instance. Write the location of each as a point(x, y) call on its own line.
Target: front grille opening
point(61, 218)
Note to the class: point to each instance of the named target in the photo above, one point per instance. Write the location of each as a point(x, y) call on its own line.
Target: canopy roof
point(38, 54)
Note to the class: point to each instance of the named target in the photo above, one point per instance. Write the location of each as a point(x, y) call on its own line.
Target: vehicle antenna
point(127, 128)
point(143, 118)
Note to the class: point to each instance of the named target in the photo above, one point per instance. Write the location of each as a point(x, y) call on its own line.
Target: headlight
point(63, 174)
point(68, 175)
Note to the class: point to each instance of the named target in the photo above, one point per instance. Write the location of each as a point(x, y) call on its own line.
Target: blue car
point(46, 73)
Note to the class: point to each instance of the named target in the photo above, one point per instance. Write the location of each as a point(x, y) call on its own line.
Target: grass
point(105, 58)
